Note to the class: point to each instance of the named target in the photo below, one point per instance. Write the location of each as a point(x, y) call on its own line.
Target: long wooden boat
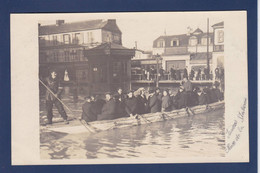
point(97, 126)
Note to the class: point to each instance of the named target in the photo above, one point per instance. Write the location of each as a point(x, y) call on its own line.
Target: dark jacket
point(88, 113)
point(216, 95)
point(180, 100)
point(154, 104)
point(120, 106)
point(54, 86)
point(166, 103)
point(141, 104)
point(202, 99)
point(108, 111)
point(131, 106)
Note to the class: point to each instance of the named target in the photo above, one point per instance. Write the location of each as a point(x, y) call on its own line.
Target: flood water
point(199, 136)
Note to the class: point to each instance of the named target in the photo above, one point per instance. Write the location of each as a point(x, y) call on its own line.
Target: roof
point(198, 31)
point(218, 24)
point(183, 39)
point(110, 49)
point(109, 25)
point(109, 45)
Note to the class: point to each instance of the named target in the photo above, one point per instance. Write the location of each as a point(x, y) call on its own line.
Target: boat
point(104, 125)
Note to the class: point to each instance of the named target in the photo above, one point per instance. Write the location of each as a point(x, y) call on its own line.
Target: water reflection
point(199, 135)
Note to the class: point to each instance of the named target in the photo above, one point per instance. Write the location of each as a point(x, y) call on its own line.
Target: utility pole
point(208, 69)
point(157, 70)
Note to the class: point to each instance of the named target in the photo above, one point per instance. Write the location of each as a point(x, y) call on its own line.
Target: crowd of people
point(141, 101)
point(129, 104)
point(179, 74)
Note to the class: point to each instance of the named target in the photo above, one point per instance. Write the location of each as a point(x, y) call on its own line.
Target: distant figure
point(88, 113)
point(203, 74)
point(166, 102)
point(154, 102)
point(53, 84)
point(172, 72)
point(161, 72)
point(109, 109)
point(217, 73)
point(192, 73)
point(198, 77)
point(131, 104)
point(143, 74)
point(148, 74)
point(185, 73)
point(178, 74)
point(66, 76)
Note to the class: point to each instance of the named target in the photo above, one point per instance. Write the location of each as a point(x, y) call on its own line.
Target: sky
point(144, 27)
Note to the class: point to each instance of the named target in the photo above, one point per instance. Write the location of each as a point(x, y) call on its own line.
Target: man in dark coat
point(185, 74)
point(188, 91)
point(178, 74)
point(180, 98)
point(154, 102)
point(109, 109)
point(120, 104)
point(172, 74)
point(88, 113)
point(53, 84)
point(141, 103)
point(202, 98)
point(131, 104)
point(192, 74)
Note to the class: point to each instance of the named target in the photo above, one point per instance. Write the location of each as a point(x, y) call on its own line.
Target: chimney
point(59, 22)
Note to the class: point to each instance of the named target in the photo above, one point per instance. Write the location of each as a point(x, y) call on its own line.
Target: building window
point(220, 35)
point(193, 41)
point(77, 38)
point(175, 42)
point(204, 41)
point(67, 56)
point(160, 43)
point(90, 37)
point(54, 40)
point(66, 38)
point(55, 56)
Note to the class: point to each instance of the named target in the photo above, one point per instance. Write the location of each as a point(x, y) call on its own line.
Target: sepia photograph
point(117, 86)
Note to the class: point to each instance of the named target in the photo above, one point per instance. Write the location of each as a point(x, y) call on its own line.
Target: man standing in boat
point(154, 102)
point(53, 94)
point(188, 91)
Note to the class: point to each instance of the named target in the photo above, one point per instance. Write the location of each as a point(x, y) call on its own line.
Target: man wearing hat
point(180, 98)
point(88, 113)
point(52, 83)
point(108, 111)
point(154, 102)
point(131, 104)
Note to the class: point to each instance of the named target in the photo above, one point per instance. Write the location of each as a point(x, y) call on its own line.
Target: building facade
point(70, 48)
point(185, 50)
point(218, 46)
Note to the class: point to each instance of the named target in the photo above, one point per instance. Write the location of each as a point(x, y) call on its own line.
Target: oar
point(85, 125)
